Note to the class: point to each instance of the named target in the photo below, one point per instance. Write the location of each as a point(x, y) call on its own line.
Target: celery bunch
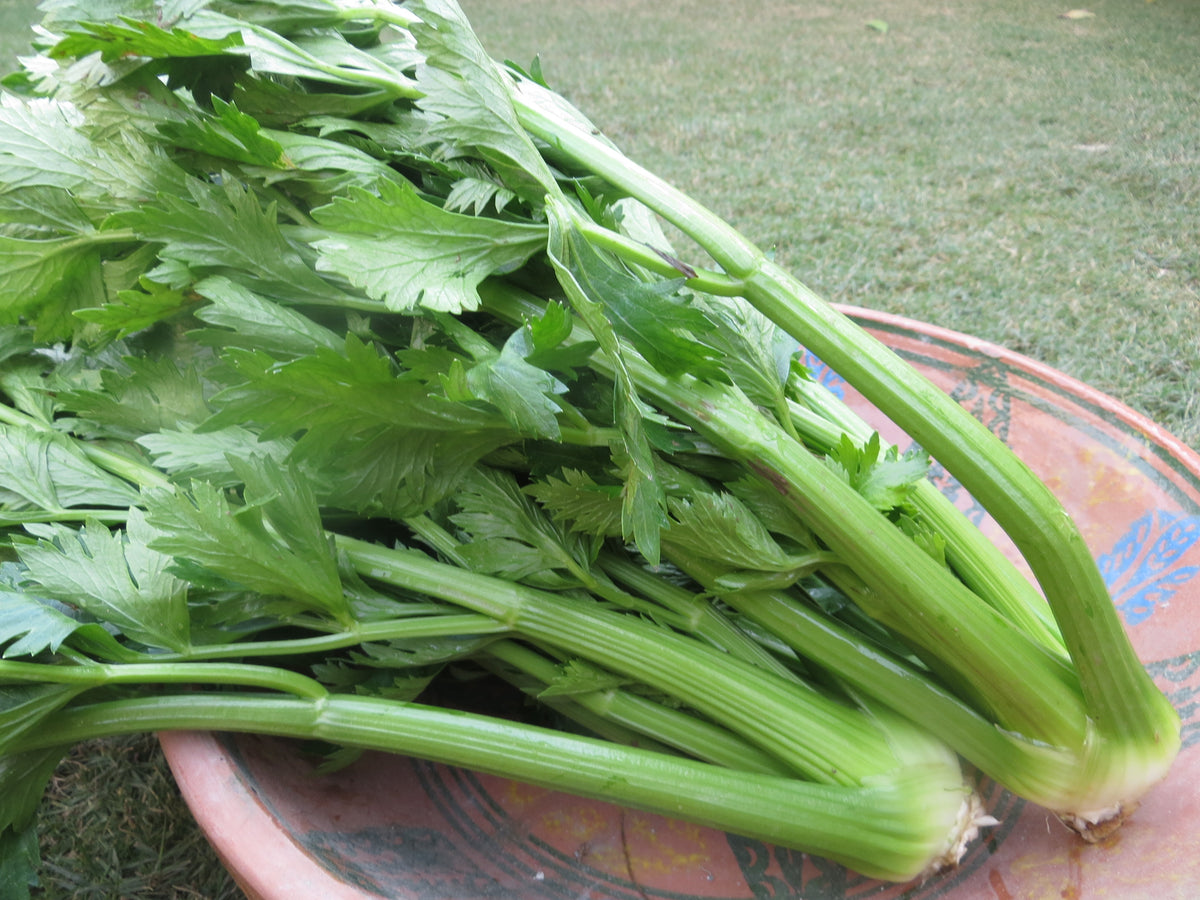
point(339, 358)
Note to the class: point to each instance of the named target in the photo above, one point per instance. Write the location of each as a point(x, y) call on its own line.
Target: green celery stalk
point(822, 739)
point(625, 716)
point(891, 827)
point(977, 560)
point(1028, 768)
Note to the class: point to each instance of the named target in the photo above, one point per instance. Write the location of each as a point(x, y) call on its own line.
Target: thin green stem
point(387, 630)
point(660, 262)
point(589, 436)
point(448, 546)
point(101, 674)
point(720, 632)
point(79, 514)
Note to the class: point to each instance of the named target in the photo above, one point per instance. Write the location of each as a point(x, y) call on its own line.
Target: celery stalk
point(893, 827)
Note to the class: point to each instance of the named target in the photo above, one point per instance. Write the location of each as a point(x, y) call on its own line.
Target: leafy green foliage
point(115, 576)
point(548, 349)
point(508, 535)
point(382, 439)
point(578, 677)
point(146, 394)
point(114, 40)
point(206, 455)
point(757, 355)
point(223, 228)
point(229, 134)
point(272, 543)
point(884, 478)
point(521, 391)
point(721, 529)
point(31, 625)
point(19, 856)
point(643, 512)
point(131, 311)
point(44, 470)
point(408, 253)
point(333, 393)
point(51, 277)
point(577, 500)
point(465, 89)
point(322, 58)
point(249, 319)
point(659, 322)
point(42, 146)
point(475, 193)
point(41, 211)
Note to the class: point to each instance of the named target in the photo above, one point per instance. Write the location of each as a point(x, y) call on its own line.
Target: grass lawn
point(993, 168)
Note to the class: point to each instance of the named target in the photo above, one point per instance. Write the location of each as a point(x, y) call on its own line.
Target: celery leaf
point(230, 134)
point(720, 528)
point(398, 472)
point(644, 502)
point(522, 392)
point(249, 319)
point(511, 537)
point(205, 455)
point(30, 625)
point(40, 145)
point(49, 278)
point(43, 211)
point(47, 471)
point(463, 86)
point(114, 576)
point(660, 323)
point(146, 394)
point(19, 856)
point(577, 676)
point(883, 478)
point(577, 500)
point(272, 544)
point(222, 229)
point(332, 395)
point(548, 335)
point(137, 38)
point(757, 353)
point(131, 311)
point(410, 253)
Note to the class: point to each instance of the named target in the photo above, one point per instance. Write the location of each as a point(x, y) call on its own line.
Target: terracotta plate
point(397, 828)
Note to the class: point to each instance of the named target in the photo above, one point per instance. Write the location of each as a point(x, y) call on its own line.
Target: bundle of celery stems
point(339, 360)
